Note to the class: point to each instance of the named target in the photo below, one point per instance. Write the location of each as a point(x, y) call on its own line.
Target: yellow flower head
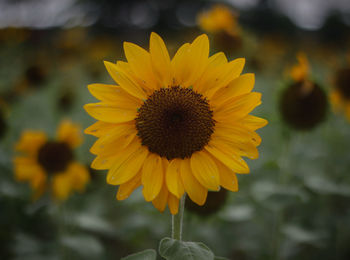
point(219, 18)
point(50, 163)
point(300, 71)
point(303, 102)
point(174, 126)
point(340, 94)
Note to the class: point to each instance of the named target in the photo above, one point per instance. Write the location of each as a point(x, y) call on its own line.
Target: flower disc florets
point(303, 105)
point(55, 156)
point(175, 122)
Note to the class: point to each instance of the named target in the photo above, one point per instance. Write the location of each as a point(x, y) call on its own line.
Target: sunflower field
point(177, 130)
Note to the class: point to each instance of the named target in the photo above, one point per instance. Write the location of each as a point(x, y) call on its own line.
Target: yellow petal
point(104, 162)
point(108, 149)
point(112, 94)
point(227, 156)
point(173, 204)
point(173, 178)
point(243, 140)
point(205, 170)
point(152, 176)
point(199, 52)
point(125, 189)
point(236, 131)
point(110, 113)
point(219, 77)
point(30, 142)
point(214, 63)
point(252, 122)
point(165, 163)
point(79, 175)
point(336, 100)
point(128, 163)
point(161, 200)
point(193, 188)
point(140, 63)
point(238, 107)
point(239, 86)
point(125, 81)
point(216, 60)
point(300, 71)
point(119, 137)
point(126, 69)
point(228, 178)
point(243, 148)
point(61, 186)
point(26, 168)
point(227, 74)
point(69, 133)
point(179, 64)
point(100, 128)
point(160, 60)
point(39, 184)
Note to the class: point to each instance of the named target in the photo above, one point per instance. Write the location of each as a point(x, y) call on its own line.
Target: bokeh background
point(295, 204)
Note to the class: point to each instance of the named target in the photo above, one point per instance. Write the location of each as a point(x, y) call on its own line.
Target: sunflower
point(50, 164)
point(340, 94)
point(221, 22)
point(174, 126)
point(303, 103)
point(217, 19)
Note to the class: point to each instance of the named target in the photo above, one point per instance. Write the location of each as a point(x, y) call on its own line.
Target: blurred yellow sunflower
point(50, 164)
point(219, 18)
point(340, 94)
point(221, 22)
point(303, 102)
point(174, 126)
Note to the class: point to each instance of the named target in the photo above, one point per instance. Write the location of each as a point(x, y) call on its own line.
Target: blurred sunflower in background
point(50, 164)
point(222, 23)
point(174, 126)
point(34, 77)
point(340, 94)
point(303, 103)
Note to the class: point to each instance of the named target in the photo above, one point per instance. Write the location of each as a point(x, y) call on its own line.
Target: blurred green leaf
point(241, 212)
point(326, 185)
point(220, 258)
point(172, 249)
point(84, 245)
point(148, 254)
point(301, 235)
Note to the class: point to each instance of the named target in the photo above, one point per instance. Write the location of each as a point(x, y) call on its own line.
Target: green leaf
point(172, 249)
point(148, 254)
point(220, 258)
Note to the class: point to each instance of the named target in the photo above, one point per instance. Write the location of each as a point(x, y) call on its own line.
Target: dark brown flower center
point(55, 156)
point(175, 122)
point(35, 75)
point(303, 105)
point(343, 82)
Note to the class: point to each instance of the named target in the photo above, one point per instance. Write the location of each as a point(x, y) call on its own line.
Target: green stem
point(176, 221)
